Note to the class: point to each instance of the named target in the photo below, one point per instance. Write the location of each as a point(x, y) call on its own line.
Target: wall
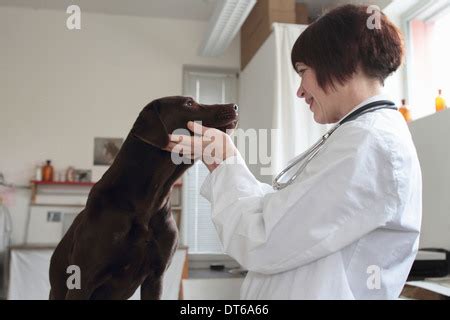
point(256, 96)
point(395, 85)
point(59, 88)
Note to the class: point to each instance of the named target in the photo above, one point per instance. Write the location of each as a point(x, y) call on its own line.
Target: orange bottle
point(405, 111)
point(47, 171)
point(440, 102)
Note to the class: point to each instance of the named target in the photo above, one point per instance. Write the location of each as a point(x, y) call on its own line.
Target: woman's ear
point(150, 128)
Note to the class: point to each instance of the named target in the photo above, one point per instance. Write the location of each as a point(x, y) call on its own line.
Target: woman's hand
point(210, 145)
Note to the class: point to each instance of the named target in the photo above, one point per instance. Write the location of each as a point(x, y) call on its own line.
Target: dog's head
point(163, 116)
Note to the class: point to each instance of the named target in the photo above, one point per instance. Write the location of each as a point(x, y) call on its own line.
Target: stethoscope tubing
point(315, 148)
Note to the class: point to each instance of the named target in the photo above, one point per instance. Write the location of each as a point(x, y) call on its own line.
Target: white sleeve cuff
point(206, 188)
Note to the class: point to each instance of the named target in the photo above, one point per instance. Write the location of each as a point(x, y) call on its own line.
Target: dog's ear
point(150, 128)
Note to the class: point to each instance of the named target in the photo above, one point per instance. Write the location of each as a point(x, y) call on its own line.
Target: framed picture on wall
point(106, 150)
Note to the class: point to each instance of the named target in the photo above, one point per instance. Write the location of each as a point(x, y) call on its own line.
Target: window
point(198, 231)
point(428, 65)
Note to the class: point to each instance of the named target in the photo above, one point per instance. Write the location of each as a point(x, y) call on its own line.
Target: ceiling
point(173, 9)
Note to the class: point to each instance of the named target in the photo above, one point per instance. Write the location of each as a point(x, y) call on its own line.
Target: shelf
point(88, 184)
point(63, 183)
point(36, 185)
point(57, 205)
point(33, 247)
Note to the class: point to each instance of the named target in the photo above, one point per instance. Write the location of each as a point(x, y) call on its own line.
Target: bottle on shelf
point(70, 174)
point(38, 173)
point(47, 171)
point(440, 102)
point(405, 111)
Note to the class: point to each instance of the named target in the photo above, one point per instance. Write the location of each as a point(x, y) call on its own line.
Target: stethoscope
point(309, 154)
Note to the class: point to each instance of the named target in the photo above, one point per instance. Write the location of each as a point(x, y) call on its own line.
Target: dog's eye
point(189, 103)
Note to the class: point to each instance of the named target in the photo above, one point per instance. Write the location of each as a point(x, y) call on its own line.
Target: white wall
point(395, 85)
point(59, 88)
point(256, 96)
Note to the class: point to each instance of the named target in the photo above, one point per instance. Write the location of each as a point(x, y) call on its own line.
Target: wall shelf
point(36, 184)
point(63, 183)
point(57, 205)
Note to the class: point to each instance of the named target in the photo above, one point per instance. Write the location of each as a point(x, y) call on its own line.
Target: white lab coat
point(347, 228)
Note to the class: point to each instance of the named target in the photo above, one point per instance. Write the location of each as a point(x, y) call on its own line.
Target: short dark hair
point(340, 41)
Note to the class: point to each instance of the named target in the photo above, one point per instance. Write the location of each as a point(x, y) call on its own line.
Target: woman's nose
point(300, 92)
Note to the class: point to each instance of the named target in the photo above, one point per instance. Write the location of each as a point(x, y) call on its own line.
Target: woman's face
point(320, 103)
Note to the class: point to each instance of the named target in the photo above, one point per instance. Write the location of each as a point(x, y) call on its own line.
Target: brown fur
point(126, 235)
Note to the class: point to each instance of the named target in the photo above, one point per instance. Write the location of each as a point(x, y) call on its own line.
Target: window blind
point(198, 231)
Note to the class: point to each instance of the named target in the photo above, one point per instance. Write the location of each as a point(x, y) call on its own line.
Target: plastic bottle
point(405, 111)
point(440, 102)
point(38, 174)
point(70, 174)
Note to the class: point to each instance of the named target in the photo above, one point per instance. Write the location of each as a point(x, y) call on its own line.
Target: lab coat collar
point(367, 101)
point(378, 97)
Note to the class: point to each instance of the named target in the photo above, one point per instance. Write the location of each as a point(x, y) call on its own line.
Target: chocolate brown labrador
point(126, 236)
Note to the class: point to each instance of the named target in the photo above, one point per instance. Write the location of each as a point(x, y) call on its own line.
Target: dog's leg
point(58, 271)
point(78, 294)
point(52, 296)
point(151, 288)
point(57, 293)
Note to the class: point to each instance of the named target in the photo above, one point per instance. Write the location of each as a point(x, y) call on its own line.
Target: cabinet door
point(47, 225)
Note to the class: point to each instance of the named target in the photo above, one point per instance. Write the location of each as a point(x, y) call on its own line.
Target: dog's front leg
point(151, 288)
point(78, 294)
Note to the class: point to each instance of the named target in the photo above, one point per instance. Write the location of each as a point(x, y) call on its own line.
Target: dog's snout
point(236, 108)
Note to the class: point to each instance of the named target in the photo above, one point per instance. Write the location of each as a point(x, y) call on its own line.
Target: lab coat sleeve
point(350, 195)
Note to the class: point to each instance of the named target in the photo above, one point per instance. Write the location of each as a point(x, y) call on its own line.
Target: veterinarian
point(347, 227)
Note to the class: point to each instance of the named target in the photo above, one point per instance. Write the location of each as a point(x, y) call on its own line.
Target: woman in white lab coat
point(348, 226)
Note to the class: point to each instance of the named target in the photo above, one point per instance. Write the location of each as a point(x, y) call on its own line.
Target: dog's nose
point(236, 108)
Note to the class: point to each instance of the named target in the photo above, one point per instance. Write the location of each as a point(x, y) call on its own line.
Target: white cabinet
point(431, 138)
point(48, 224)
point(53, 207)
point(29, 276)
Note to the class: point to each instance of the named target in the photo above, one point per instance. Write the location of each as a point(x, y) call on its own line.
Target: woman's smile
point(310, 102)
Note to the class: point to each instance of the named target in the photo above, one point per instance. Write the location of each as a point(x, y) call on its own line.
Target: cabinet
point(54, 206)
point(29, 280)
point(258, 25)
point(176, 202)
point(430, 135)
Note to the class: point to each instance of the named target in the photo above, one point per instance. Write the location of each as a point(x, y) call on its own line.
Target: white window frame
point(425, 10)
point(204, 260)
